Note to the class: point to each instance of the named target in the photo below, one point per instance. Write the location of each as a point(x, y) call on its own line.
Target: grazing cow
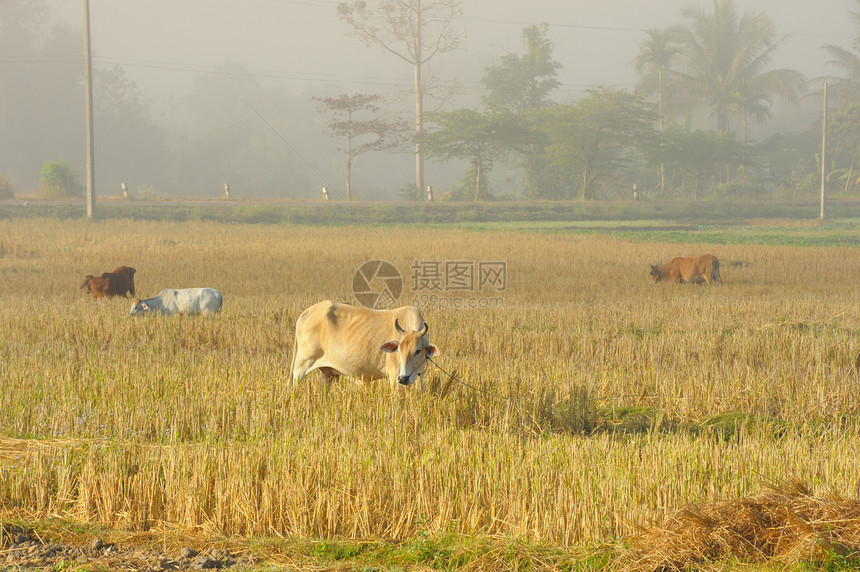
point(341, 339)
point(188, 301)
point(120, 282)
point(698, 269)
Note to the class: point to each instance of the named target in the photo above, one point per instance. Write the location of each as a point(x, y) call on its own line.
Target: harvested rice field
point(579, 416)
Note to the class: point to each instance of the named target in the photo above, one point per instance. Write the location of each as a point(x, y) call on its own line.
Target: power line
point(487, 20)
point(40, 59)
point(311, 77)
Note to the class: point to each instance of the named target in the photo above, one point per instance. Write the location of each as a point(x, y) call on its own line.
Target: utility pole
point(91, 166)
point(823, 150)
point(419, 100)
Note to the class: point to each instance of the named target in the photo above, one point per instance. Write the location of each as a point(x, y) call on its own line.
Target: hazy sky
point(163, 44)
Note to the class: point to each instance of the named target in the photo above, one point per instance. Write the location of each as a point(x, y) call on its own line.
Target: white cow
point(187, 301)
point(338, 338)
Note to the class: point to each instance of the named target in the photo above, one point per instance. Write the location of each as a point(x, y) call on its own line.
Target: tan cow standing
point(698, 269)
point(338, 338)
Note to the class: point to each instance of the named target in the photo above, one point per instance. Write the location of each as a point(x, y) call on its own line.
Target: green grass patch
point(717, 223)
point(503, 215)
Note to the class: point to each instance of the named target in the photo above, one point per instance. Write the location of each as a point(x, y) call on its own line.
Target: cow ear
point(389, 347)
point(432, 351)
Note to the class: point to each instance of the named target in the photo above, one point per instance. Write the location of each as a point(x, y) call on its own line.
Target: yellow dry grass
point(190, 424)
point(784, 523)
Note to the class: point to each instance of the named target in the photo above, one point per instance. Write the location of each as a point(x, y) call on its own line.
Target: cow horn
point(423, 330)
point(397, 326)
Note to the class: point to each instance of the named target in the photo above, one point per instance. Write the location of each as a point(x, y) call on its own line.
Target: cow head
point(655, 273)
point(414, 351)
point(138, 308)
point(86, 283)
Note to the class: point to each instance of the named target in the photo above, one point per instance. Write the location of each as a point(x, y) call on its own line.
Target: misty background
point(192, 94)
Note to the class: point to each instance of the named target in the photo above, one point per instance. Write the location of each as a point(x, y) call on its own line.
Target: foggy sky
point(300, 46)
point(163, 44)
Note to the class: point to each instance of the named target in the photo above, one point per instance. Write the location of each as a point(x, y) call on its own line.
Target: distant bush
point(58, 179)
point(7, 189)
point(409, 192)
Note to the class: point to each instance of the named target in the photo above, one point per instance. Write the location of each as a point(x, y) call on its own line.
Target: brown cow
point(698, 269)
point(120, 282)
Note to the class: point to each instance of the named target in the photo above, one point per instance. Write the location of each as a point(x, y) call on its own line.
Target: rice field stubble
point(594, 401)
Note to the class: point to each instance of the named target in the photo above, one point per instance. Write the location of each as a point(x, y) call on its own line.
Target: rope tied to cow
point(454, 377)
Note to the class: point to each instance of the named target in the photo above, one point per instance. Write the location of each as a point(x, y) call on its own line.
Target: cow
point(120, 282)
point(342, 339)
point(188, 301)
point(698, 269)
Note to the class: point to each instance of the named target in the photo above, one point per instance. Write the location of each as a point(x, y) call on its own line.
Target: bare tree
point(412, 30)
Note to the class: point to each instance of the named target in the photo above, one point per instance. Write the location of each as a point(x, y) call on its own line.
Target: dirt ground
point(24, 550)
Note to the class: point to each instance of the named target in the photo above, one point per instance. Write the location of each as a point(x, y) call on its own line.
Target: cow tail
point(715, 272)
point(220, 302)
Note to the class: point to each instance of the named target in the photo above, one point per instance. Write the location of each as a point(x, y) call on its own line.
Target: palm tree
point(848, 61)
point(844, 136)
point(724, 65)
point(653, 62)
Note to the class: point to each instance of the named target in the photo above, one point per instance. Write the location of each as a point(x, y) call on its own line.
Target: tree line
point(614, 144)
point(608, 144)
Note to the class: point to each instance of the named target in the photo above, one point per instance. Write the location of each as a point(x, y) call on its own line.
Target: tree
point(480, 138)
point(58, 179)
point(724, 65)
point(42, 105)
point(227, 128)
point(844, 137)
point(848, 61)
point(129, 145)
point(414, 31)
point(696, 153)
point(591, 136)
point(7, 189)
point(41, 97)
point(652, 63)
point(843, 143)
point(520, 83)
point(385, 134)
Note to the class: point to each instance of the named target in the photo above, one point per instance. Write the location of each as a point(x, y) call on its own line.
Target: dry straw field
point(591, 403)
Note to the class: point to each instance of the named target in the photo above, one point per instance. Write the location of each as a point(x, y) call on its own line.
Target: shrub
point(58, 179)
point(7, 189)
